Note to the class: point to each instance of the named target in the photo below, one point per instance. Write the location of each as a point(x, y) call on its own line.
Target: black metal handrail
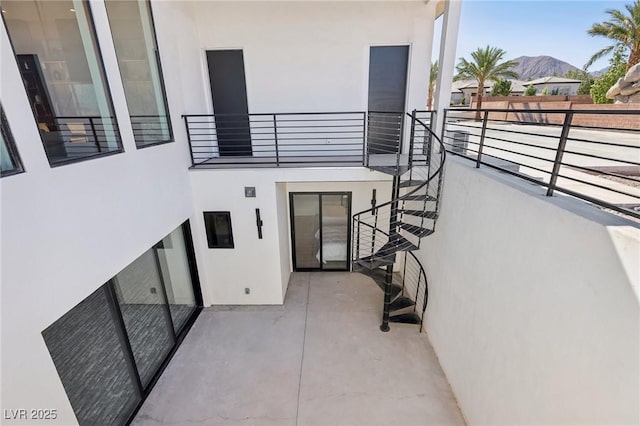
point(413, 210)
point(421, 298)
point(81, 133)
point(556, 148)
point(277, 139)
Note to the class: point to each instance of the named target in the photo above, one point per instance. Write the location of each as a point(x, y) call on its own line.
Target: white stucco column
point(447, 59)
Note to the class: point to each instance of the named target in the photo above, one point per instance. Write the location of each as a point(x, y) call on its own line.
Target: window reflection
point(134, 39)
point(60, 64)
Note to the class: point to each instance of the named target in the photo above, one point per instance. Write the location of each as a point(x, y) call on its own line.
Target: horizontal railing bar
point(599, 186)
point(600, 172)
point(557, 188)
point(582, 154)
point(551, 111)
point(276, 114)
point(619, 145)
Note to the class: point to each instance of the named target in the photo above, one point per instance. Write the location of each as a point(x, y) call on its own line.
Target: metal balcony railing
point(593, 155)
point(277, 139)
point(294, 139)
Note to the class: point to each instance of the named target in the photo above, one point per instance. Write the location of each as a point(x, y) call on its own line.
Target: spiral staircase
point(387, 234)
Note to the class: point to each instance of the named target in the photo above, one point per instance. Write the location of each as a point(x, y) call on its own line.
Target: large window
point(134, 39)
point(109, 347)
point(87, 349)
point(60, 64)
point(9, 159)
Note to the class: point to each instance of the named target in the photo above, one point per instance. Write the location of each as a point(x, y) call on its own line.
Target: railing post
point(393, 233)
point(562, 143)
point(482, 134)
point(95, 135)
point(275, 135)
point(186, 125)
point(412, 134)
point(373, 233)
point(357, 239)
point(404, 273)
point(444, 126)
point(364, 137)
point(432, 124)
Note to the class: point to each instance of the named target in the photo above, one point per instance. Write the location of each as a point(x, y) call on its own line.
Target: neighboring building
point(563, 86)
point(466, 89)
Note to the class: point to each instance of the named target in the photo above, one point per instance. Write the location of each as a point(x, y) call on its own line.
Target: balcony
point(301, 139)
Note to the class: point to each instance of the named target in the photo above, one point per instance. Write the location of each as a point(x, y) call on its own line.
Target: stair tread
point(374, 263)
point(379, 277)
point(391, 170)
point(409, 183)
point(395, 244)
point(416, 230)
point(418, 197)
point(410, 318)
point(420, 213)
point(401, 303)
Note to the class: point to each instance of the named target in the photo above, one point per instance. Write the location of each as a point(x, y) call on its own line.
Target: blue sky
point(535, 27)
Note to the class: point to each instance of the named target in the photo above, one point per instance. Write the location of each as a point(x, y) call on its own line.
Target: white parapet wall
point(534, 303)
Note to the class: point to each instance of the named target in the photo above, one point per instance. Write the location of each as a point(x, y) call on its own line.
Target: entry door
point(387, 89)
point(229, 95)
point(320, 230)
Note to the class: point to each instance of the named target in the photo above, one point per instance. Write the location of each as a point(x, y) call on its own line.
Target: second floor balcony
point(300, 139)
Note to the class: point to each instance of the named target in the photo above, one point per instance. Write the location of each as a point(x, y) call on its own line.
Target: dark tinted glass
point(219, 232)
point(90, 360)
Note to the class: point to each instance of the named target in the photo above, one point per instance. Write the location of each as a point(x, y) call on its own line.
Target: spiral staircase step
point(401, 303)
point(410, 318)
point(416, 230)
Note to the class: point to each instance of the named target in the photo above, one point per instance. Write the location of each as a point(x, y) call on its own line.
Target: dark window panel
point(219, 231)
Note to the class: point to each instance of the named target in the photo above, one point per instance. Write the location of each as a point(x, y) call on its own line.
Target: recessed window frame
point(109, 289)
point(209, 220)
point(163, 89)
point(108, 95)
point(10, 144)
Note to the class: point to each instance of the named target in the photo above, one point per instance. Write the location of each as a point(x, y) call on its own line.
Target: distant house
point(563, 86)
point(465, 89)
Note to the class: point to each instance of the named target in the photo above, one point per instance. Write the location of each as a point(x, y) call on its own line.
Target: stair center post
point(395, 194)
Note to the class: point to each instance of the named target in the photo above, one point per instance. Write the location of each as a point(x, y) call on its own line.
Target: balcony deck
point(235, 162)
point(319, 359)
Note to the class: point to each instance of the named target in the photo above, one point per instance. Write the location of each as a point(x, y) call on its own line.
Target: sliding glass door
point(145, 313)
point(109, 348)
point(320, 230)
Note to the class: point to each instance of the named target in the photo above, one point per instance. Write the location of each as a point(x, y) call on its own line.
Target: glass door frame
point(178, 337)
point(349, 196)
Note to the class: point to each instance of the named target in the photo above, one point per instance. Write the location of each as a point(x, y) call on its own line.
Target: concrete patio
point(318, 360)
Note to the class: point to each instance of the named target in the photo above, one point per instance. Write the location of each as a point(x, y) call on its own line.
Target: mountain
point(531, 67)
point(599, 72)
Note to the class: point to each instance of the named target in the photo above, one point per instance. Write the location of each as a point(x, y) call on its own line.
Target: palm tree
point(623, 29)
point(485, 66)
point(433, 76)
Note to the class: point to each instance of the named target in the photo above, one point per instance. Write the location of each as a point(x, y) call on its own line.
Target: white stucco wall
point(261, 265)
point(534, 304)
point(300, 56)
point(66, 230)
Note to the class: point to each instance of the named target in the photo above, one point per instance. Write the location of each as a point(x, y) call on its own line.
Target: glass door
point(320, 230)
point(335, 231)
point(305, 232)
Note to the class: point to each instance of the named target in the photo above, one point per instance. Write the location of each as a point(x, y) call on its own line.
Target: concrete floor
point(318, 360)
